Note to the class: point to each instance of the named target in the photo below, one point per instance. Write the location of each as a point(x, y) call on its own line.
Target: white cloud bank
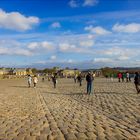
point(85, 3)
point(44, 45)
point(87, 43)
point(129, 28)
point(97, 30)
point(15, 51)
point(103, 60)
point(12, 47)
point(79, 47)
point(17, 21)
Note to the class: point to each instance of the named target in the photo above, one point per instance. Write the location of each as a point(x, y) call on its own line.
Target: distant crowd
point(89, 79)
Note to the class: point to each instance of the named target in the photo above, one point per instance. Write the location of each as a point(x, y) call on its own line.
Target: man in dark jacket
point(79, 78)
point(54, 80)
point(137, 81)
point(89, 79)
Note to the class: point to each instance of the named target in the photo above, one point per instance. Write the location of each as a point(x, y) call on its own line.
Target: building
point(68, 73)
point(97, 72)
point(4, 71)
point(19, 72)
point(29, 71)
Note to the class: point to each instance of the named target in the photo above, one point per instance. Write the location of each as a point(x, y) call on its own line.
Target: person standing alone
point(79, 78)
point(137, 81)
point(54, 80)
point(89, 79)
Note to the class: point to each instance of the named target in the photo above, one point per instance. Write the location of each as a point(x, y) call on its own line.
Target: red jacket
point(119, 75)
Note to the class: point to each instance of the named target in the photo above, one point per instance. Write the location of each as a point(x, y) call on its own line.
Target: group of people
point(33, 80)
point(89, 79)
point(123, 75)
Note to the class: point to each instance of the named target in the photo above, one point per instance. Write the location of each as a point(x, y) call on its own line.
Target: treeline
point(114, 71)
point(109, 71)
point(46, 70)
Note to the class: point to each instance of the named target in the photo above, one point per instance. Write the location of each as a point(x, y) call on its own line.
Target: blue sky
point(70, 33)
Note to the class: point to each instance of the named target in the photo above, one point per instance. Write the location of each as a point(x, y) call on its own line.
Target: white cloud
point(17, 21)
point(40, 45)
point(87, 43)
point(53, 57)
point(66, 47)
point(97, 30)
point(19, 51)
point(90, 36)
point(73, 3)
point(15, 51)
point(33, 45)
point(103, 60)
point(12, 47)
point(70, 48)
point(56, 25)
point(85, 3)
point(4, 51)
point(129, 28)
point(70, 61)
point(120, 54)
point(90, 2)
point(47, 45)
point(123, 57)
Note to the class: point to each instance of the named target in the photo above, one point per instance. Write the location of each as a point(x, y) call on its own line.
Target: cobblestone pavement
point(66, 113)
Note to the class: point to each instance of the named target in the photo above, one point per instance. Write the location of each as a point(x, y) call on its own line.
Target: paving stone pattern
point(67, 113)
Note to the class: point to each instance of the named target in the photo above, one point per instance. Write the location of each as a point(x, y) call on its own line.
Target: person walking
point(54, 80)
point(89, 79)
point(137, 81)
point(29, 81)
point(79, 78)
point(75, 78)
point(35, 80)
point(119, 77)
point(122, 77)
point(43, 79)
point(130, 76)
point(127, 77)
point(112, 77)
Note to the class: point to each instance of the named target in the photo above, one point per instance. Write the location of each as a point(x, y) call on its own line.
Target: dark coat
point(137, 79)
point(89, 78)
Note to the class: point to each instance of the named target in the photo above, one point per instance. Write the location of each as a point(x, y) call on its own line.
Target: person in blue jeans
point(89, 79)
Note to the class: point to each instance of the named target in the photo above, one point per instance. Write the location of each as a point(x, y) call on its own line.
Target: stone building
point(68, 73)
point(98, 72)
point(4, 71)
point(19, 72)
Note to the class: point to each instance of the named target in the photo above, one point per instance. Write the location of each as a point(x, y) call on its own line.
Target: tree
point(34, 70)
point(108, 71)
point(67, 68)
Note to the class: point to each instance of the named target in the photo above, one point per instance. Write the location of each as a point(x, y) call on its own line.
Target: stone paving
point(66, 113)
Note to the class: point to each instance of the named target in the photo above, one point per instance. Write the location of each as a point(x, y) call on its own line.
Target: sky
point(70, 33)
